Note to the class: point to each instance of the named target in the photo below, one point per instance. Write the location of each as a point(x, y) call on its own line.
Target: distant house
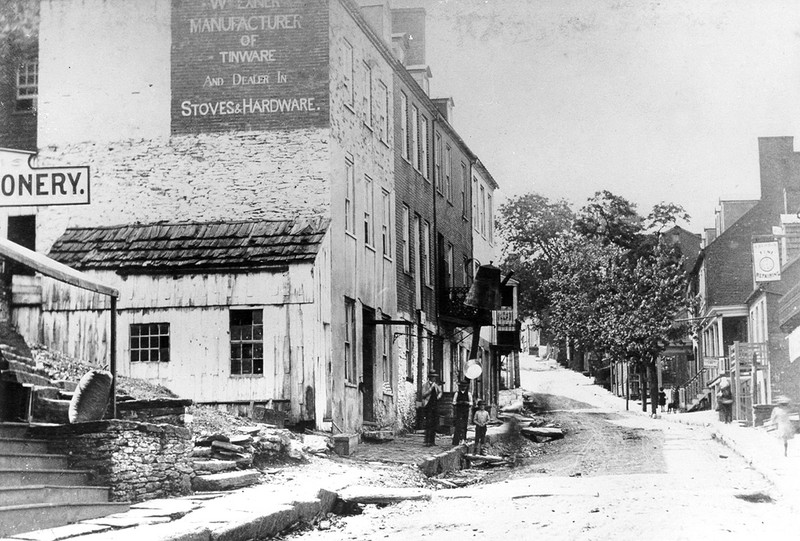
point(234, 314)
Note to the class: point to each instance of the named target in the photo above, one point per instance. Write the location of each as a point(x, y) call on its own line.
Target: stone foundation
point(137, 461)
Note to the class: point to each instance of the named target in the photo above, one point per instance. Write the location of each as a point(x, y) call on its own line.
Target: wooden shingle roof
point(182, 247)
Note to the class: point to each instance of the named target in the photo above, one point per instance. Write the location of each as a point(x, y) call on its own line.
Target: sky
point(652, 100)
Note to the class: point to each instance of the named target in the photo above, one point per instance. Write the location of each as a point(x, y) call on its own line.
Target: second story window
point(386, 226)
point(463, 190)
point(369, 239)
point(383, 118)
point(27, 86)
point(426, 253)
point(406, 244)
point(483, 211)
point(448, 169)
point(448, 265)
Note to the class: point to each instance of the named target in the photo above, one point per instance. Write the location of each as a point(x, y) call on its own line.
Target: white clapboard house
point(227, 313)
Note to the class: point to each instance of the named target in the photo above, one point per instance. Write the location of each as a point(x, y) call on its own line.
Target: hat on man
point(433, 374)
point(782, 400)
point(463, 383)
point(480, 402)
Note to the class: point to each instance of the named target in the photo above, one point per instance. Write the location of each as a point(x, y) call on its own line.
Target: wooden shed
point(235, 314)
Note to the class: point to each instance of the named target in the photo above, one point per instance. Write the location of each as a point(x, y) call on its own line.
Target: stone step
point(34, 494)
point(22, 445)
point(225, 481)
point(16, 478)
point(24, 377)
point(13, 430)
point(18, 519)
point(214, 466)
point(51, 410)
point(32, 461)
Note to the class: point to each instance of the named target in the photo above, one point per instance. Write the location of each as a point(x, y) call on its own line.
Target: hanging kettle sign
point(22, 185)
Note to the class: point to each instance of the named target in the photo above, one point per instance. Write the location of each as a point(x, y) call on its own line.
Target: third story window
point(27, 86)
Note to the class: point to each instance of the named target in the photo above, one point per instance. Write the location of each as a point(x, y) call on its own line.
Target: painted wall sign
point(766, 261)
point(248, 65)
point(22, 185)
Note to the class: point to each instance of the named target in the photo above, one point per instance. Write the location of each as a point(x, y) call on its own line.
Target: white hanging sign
point(22, 185)
point(766, 261)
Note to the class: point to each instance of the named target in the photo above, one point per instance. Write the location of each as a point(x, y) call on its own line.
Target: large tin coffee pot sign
point(23, 185)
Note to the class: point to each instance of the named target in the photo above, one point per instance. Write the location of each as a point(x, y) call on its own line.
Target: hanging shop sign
point(766, 261)
point(504, 320)
point(22, 185)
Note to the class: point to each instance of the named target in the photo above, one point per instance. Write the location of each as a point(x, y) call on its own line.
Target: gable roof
point(191, 247)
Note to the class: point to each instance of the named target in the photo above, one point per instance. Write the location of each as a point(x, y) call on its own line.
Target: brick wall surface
point(227, 176)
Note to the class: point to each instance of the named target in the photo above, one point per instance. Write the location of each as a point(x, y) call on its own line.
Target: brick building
point(219, 111)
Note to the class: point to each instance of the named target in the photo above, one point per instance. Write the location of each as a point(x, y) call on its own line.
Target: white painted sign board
point(22, 185)
point(766, 261)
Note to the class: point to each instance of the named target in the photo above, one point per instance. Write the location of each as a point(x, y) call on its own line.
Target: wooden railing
point(694, 386)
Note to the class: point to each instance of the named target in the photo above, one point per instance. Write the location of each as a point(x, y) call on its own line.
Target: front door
point(368, 364)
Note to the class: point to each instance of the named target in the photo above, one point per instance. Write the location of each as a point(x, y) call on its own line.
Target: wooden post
point(113, 356)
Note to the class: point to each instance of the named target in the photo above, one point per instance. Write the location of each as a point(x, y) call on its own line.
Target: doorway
point(368, 364)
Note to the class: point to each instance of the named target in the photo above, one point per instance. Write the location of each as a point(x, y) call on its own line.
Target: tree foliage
point(607, 279)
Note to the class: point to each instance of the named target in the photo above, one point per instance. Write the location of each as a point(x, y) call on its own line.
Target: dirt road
point(614, 476)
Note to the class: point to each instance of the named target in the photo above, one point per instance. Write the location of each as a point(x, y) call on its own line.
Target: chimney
point(445, 107)
point(710, 235)
point(379, 16)
point(411, 21)
point(400, 47)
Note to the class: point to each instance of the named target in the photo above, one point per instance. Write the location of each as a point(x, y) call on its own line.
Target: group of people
point(462, 407)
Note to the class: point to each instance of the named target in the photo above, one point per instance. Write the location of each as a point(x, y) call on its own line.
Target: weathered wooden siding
point(77, 322)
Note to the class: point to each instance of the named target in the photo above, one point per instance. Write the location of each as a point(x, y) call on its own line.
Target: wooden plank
point(49, 267)
point(543, 432)
point(381, 495)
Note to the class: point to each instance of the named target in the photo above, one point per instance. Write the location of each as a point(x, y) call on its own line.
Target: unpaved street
point(615, 475)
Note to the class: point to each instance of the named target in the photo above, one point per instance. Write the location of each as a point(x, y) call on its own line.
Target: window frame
point(405, 239)
point(404, 125)
point(350, 363)
point(464, 176)
point(369, 212)
point(383, 117)
point(437, 161)
point(415, 137)
point(256, 323)
point(350, 195)
point(369, 112)
point(425, 148)
point(159, 336)
point(448, 170)
point(386, 225)
point(349, 74)
point(426, 256)
point(26, 83)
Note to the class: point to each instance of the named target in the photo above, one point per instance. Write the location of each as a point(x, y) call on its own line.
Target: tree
point(532, 230)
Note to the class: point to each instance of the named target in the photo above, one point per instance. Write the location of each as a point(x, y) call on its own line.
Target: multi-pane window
point(368, 211)
point(349, 340)
point(426, 252)
point(368, 111)
point(475, 203)
point(149, 342)
point(437, 162)
point(383, 103)
point(483, 211)
point(489, 218)
point(404, 124)
point(417, 249)
point(406, 218)
point(386, 226)
point(247, 341)
point(463, 190)
point(347, 70)
point(423, 138)
point(27, 86)
point(466, 272)
point(448, 265)
point(415, 137)
point(448, 169)
point(349, 197)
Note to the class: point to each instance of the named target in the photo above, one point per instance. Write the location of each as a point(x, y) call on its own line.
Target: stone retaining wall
point(137, 461)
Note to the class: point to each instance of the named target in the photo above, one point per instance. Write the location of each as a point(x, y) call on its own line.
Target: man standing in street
point(431, 393)
point(462, 404)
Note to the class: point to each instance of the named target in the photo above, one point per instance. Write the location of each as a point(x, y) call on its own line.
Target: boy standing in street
point(481, 420)
point(431, 393)
point(462, 404)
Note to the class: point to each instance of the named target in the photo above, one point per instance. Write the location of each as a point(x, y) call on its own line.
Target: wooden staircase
point(39, 491)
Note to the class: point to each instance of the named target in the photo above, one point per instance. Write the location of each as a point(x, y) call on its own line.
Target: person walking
point(431, 394)
point(781, 421)
point(462, 404)
point(481, 420)
point(662, 399)
point(725, 401)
